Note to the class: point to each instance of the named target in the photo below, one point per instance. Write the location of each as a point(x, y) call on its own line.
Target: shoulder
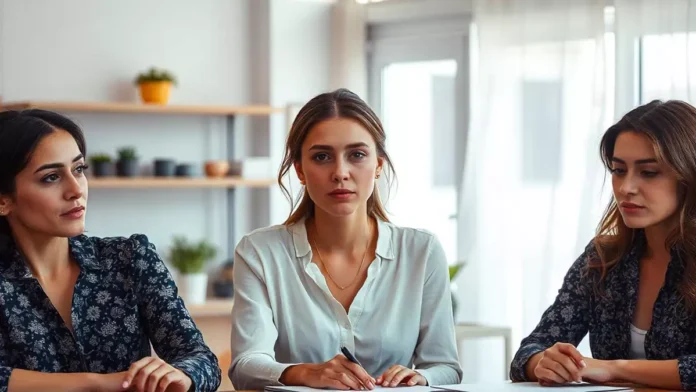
point(417, 238)
point(412, 245)
point(264, 237)
point(114, 251)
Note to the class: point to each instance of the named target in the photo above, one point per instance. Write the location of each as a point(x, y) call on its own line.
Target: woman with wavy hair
point(634, 287)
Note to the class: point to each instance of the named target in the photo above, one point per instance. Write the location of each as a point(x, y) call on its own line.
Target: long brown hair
point(341, 103)
point(671, 126)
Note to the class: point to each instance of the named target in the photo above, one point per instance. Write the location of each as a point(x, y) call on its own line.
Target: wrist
point(90, 382)
point(617, 369)
point(290, 375)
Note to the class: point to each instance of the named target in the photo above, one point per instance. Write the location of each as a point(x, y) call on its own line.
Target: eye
point(359, 155)
point(81, 169)
point(618, 171)
point(51, 178)
point(649, 174)
point(321, 157)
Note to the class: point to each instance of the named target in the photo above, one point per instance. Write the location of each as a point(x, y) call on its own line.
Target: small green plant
point(454, 270)
point(155, 75)
point(100, 158)
point(127, 154)
point(190, 258)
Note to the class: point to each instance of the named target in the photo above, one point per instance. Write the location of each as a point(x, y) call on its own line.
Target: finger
point(570, 369)
point(403, 373)
point(360, 373)
point(144, 375)
point(572, 352)
point(134, 369)
point(154, 378)
point(389, 374)
point(416, 379)
point(349, 380)
point(167, 379)
point(548, 375)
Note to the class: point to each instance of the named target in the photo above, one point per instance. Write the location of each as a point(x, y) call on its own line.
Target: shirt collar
point(384, 249)
point(82, 249)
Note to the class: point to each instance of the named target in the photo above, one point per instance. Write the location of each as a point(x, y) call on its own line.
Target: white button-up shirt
point(285, 314)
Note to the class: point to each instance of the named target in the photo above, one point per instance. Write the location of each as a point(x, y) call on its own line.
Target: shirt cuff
point(427, 375)
point(203, 378)
point(275, 370)
point(519, 363)
point(5, 372)
point(687, 372)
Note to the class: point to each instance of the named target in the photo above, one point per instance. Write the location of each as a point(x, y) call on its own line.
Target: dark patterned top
point(124, 300)
point(607, 316)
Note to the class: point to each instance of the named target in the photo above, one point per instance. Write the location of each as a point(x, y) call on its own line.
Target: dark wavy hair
point(671, 126)
point(20, 134)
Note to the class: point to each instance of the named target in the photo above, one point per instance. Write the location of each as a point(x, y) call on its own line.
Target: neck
point(656, 243)
point(342, 234)
point(46, 256)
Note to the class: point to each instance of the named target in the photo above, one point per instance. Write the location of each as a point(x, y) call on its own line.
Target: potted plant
point(454, 270)
point(127, 165)
point(102, 164)
point(155, 85)
point(190, 259)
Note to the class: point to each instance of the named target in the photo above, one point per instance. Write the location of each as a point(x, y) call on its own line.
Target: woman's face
point(339, 165)
point(645, 189)
point(51, 191)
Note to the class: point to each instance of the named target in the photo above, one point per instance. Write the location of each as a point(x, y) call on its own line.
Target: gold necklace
point(367, 246)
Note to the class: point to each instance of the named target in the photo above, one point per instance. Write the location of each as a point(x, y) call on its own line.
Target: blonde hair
point(341, 103)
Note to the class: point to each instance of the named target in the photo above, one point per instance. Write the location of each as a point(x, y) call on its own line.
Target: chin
point(339, 210)
point(71, 231)
point(633, 223)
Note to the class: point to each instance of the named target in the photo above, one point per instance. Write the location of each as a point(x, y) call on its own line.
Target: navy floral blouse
point(124, 300)
point(608, 315)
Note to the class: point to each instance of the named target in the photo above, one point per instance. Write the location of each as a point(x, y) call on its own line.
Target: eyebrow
point(324, 147)
point(57, 165)
point(638, 162)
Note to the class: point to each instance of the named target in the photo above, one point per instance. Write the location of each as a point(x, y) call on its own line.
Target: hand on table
point(398, 374)
point(337, 373)
point(154, 375)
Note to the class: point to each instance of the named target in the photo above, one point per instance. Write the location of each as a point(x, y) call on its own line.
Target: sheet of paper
point(416, 388)
point(529, 387)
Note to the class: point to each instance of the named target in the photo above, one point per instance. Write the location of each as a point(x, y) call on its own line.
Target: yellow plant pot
point(155, 92)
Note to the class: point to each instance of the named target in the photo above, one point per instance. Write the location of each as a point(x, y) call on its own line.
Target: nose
point(73, 188)
point(629, 185)
point(340, 172)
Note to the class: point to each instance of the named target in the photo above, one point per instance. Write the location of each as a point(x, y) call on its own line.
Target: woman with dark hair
point(634, 287)
point(337, 296)
point(79, 313)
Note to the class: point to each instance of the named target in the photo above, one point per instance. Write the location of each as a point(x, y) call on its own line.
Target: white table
point(472, 331)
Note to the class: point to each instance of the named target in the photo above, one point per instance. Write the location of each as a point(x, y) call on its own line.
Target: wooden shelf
point(211, 308)
point(125, 107)
point(173, 182)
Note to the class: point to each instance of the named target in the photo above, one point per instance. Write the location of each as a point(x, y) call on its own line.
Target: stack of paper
point(490, 387)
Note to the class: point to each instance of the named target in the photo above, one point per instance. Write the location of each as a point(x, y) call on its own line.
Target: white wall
point(93, 50)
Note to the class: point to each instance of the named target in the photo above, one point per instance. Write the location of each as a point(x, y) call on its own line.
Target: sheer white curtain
point(532, 184)
point(665, 31)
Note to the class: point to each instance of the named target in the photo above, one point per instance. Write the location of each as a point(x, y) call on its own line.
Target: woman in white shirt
point(338, 275)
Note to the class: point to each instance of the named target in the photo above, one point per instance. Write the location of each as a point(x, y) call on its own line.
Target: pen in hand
point(352, 358)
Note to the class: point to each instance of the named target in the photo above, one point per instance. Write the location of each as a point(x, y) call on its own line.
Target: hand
point(338, 373)
point(559, 364)
point(153, 374)
point(398, 374)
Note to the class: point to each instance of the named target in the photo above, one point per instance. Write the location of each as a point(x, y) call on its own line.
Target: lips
point(338, 192)
point(628, 205)
point(75, 210)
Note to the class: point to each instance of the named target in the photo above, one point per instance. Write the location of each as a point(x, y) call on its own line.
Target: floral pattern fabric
point(607, 315)
point(124, 304)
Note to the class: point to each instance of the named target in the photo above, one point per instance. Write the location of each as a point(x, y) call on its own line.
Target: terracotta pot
point(155, 92)
point(217, 168)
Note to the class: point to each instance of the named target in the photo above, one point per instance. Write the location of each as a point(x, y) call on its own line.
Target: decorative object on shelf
point(127, 165)
point(190, 259)
point(164, 167)
point(184, 170)
point(454, 270)
point(155, 85)
point(102, 165)
point(235, 168)
point(218, 168)
point(223, 287)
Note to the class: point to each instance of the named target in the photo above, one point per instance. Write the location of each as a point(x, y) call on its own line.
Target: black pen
point(350, 356)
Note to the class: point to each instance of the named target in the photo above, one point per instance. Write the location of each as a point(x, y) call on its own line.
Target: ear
point(380, 166)
point(5, 205)
point(298, 171)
